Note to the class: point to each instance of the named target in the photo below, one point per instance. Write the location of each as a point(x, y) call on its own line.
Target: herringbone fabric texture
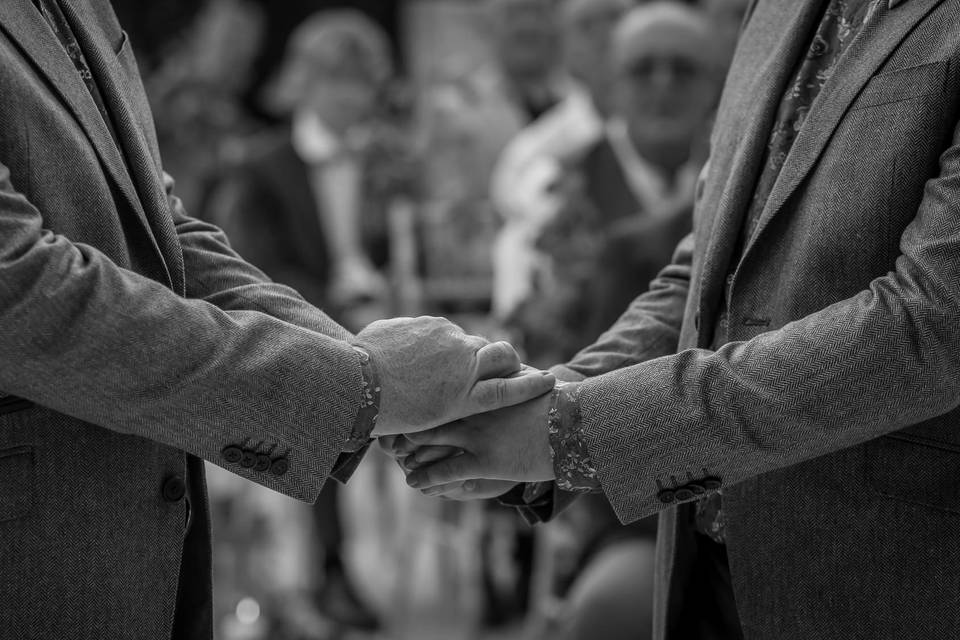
point(831, 416)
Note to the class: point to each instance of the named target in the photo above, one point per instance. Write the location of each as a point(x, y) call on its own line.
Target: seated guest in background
point(309, 203)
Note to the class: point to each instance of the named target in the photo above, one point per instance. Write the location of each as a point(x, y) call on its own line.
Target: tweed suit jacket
point(830, 418)
point(136, 341)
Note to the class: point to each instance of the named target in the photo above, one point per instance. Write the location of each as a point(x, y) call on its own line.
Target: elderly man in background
point(615, 207)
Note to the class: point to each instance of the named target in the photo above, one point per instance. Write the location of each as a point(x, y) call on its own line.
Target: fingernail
point(431, 491)
point(413, 481)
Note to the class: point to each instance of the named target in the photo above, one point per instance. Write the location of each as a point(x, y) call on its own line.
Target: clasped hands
point(463, 416)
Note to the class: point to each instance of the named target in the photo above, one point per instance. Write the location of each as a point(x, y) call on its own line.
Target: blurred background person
point(468, 117)
point(196, 90)
point(309, 202)
point(310, 205)
point(532, 162)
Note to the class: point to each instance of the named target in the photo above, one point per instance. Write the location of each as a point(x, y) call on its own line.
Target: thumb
point(490, 395)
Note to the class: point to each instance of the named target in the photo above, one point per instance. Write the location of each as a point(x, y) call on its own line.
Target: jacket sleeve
point(216, 273)
point(239, 361)
point(649, 328)
point(883, 360)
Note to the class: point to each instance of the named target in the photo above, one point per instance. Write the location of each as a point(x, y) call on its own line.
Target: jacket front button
point(279, 466)
point(232, 454)
point(263, 463)
point(174, 489)
point(248, 459)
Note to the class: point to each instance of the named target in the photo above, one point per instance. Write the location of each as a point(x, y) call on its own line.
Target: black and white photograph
point(480, 320)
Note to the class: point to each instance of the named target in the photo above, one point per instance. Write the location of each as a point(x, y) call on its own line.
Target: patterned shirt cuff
point(369, 405)
point(571, 459)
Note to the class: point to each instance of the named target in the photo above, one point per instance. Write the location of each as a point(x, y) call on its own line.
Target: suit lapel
point(758, 102)
point(111, 79)
point(859, 63)
point(24, 25)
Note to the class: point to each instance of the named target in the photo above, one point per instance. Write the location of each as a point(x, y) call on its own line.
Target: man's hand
point(431, 373)
point(511, 444)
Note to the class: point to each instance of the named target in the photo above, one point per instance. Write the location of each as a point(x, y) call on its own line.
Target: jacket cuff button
point(665, 496)
point(279, 466)
point(232, 454)
point(683, 494)
point(248, 459)
point(263, 463)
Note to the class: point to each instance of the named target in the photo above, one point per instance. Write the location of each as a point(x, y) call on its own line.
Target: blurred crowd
point(524, 167)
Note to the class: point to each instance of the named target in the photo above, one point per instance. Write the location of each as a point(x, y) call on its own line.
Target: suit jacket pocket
point(915, 470)
point(16, 482)
point(903, 84)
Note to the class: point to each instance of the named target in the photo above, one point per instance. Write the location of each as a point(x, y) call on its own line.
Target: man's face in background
point(341, 100)
point(667, 78)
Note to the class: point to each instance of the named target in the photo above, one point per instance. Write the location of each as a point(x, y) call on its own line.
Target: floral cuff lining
point(369, 405)
point(571, 459)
